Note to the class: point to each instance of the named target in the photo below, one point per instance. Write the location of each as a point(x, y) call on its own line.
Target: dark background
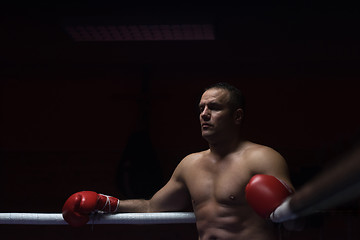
point(72, 113)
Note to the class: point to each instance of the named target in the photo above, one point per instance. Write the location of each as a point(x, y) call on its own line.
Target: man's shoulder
point(256, 147)
point(189, 162)
point(258, 151)
point(195, 156)
point(263, 159)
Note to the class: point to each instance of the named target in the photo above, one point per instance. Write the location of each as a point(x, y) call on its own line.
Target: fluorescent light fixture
point(100, 33)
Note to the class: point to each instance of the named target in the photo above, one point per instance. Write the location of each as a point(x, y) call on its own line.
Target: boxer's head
point(236, 100)
point(221, 111)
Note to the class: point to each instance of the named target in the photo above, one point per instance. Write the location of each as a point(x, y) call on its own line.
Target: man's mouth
point(206, 125)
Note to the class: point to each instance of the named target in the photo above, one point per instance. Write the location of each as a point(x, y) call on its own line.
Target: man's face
point(215, 114)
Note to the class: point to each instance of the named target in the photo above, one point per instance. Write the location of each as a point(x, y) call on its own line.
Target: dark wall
point(66, 128)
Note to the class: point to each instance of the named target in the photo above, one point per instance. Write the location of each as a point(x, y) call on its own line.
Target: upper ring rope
point(119, 218)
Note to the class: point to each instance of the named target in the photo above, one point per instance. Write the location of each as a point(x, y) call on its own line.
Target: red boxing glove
point(78, 207)
point(265, 193)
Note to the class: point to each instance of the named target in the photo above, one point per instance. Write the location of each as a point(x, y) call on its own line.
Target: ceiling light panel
point(141, 32)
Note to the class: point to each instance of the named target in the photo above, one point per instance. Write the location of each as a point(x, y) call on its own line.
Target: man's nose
point(205, 114)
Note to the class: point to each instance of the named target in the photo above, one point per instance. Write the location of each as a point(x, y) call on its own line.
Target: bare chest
point(220, 183)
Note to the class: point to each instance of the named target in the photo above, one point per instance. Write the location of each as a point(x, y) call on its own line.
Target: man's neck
point(224, 148)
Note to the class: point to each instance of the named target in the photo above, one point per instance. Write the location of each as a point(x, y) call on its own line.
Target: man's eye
point(215, 107)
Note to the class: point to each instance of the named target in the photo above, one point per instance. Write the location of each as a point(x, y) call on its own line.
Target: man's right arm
point(174, 196)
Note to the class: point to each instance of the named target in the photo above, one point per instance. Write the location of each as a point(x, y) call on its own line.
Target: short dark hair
point(237, 99)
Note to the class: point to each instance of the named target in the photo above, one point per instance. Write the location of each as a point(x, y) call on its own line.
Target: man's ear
point(238, 115)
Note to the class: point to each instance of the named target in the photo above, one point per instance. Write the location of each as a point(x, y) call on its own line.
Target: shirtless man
point(214, 181)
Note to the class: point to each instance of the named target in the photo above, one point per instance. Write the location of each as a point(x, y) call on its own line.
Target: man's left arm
point(274, 175)
point(269, 162)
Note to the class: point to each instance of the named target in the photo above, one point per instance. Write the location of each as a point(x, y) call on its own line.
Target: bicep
point(174, 196)
point(272, 163)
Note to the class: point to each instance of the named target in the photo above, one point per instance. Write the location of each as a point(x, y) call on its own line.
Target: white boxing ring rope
point(119, 218)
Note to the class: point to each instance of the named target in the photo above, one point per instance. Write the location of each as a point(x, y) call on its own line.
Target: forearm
point(134, 205)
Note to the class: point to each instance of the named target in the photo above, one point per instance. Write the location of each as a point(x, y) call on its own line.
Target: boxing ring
point(335, 186)
point(119, 218)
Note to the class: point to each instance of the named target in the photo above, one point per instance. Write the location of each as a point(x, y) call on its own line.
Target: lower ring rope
point(119, 218)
